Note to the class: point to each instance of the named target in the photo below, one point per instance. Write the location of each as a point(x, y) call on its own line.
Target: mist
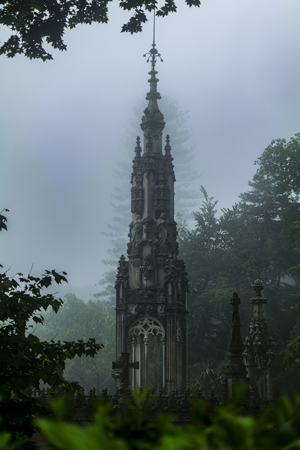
point(233, 66)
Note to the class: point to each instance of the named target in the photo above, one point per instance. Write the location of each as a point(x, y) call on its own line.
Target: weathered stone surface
point(254, 365)
point(152, 285)
point(259, 348)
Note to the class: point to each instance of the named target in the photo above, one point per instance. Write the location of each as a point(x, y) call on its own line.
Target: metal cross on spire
point(153, 53)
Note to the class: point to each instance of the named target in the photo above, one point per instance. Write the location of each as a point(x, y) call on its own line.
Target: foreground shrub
point(275, 428)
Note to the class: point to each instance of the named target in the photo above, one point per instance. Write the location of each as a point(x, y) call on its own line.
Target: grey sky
point(234, 65)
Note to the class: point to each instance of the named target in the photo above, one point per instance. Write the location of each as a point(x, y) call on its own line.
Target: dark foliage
point(36, 22)
point(26, 361)
point(258, 238)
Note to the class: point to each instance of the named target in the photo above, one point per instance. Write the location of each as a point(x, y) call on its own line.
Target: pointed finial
point(138, 149)
point(153, 53)
point(258, 299)
point(168, 146)
point(235, 301)
point(258, 287)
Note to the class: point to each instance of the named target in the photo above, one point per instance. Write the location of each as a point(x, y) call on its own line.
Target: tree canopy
point(77, 320)
point(36, 22)
point(258, 238)
point(27, 362)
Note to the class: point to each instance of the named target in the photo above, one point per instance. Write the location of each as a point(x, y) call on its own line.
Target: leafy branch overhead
point(3, 220)
point(36, 22)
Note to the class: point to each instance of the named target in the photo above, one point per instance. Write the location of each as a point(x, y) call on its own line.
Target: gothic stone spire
point(153, 120)
point(151, 300)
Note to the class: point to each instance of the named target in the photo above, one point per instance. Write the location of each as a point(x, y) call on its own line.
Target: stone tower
point(151, 286)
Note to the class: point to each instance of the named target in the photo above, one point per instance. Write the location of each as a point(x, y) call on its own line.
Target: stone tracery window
point(147, 326)
point(148, 347)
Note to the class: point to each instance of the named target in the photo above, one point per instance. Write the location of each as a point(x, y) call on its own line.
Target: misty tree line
point(224, 251)
point(259, 237)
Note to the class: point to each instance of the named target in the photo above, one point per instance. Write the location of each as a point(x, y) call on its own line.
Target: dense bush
point(276, 428)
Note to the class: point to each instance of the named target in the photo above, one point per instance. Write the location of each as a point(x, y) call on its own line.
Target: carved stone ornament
point(168, 147)
point(160, 309)
point(149, 309)
point(171, 272)
point(161, 297)
point(132, 308)
point(146, 268)
point(122, 273)
point(161, 277)
point(137, 277)
point(150, 165)
point(148, 326)
point(146, 294)
point(153, 122)
point(132, 311)
point(161, 192)
point(135, 262)
point(138, 149)
point(137, 199)
point(160, 261)
point(137, 231)
point(169, 167)
point(162, 232)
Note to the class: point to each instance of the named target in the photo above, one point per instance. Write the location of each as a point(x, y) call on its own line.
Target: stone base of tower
point(152, 328)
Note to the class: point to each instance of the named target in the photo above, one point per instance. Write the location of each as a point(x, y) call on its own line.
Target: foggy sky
point(233, 65)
